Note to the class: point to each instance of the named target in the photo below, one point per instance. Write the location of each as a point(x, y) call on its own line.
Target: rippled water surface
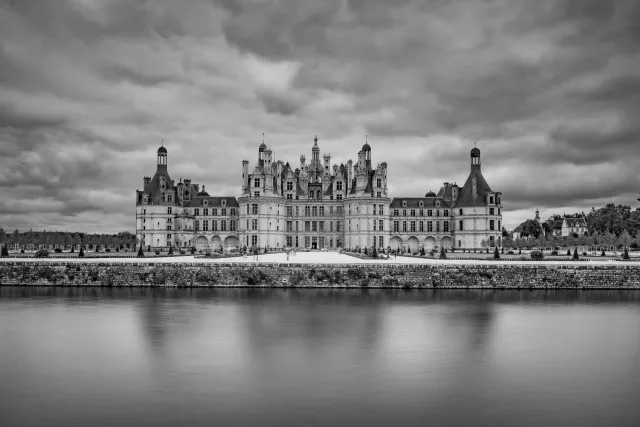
point(168, 357)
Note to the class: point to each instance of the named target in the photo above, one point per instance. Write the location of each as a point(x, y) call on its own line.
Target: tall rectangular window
point(256, 183)
point(395, 212)
point(232, 225)
point(205, 225)
point(461, 225)
point(314, 225)
point(206, 212)
point(196, 211)
point(254, 240)
point(254, 224)
point(289, 186)
point(169, 210)
point(338, 225)
point(339, 186)
point(429, 212)
point(321, 225)
point(404, 226)
point(396, 226)
point(307, 226)
point(429, 226)
point(413, 212)
point(491, 211)
point(445, 226)
point(254, 209)
point(381, 210)
point(214, 225)
point(492, 225)
point(413, 226)
point(214, 211)
point(421, 226)
point(223, 225)
point(379, 183)
point(381, 225)
point(437, 226)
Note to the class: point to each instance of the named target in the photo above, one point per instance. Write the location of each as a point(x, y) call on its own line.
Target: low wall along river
point(406, 276)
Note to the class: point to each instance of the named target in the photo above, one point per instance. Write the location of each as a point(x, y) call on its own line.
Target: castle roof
point(417, 202)
point(466, 197)
point(198, 201)
point(576, 222)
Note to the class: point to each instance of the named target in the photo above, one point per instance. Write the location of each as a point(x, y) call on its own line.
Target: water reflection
point(106, 356)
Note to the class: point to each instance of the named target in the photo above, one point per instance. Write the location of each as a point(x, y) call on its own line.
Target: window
point(378, 194)
point(374, 225)
point(254, 224)
point(321, 210)
point(396, 226)
point(380, 209)
point(460, 212)
point(197, 225)
point(413, 226)
point(339, 197)
point(169, 227)
point(437, 226)
point(379, 183)
point(214, 211)
point(289, 240)
point(254, 209)
point(232, 212)
point(421, 212)
point(256, 194)
point(232, 225)
point(205, 225)
point(289, 186)
point(491, 211)
point(492, 225)
point(461, 225)
point(330, 225)
point(170, 198)
point(446, 212)
point(338, 225)
point(254, 240)
point(307, 211)
point(437, 212)
point(381, 241)
point(223, 225)
point(256, 183)
point(314, 225)
point(445, 226)
point(169, 210)
point(247, 209)
point(297, 226)
point(169, 238)
point(374, 209)
point(421, 226)
point(307, 226)
point(314, 211)
point(289, 196)
point(214, 225)
point(500, 228)
point(339, 186)
point(491, 199)
point(429, 212)
point(339, 210)
point(205, 212)
point(404, 212)
point(289, 210)
point(395, 212)
point(429, 226)
point(321, 225)
point(196, 211)
point(311, 193)
point(289, 226)
point(498, 211)
point(404, 226)
point(223, 212)
point(380, 225)
point(413, 212)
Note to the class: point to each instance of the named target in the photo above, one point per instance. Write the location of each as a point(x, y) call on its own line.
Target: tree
point(575, 254)
point(5, 251)
point(422, 251)
point(530, 227)
point(443, 255)
point(496, 254)
point(626, 254)
point(140, 252)
point(170, 250)
point(483, 243)
point(374, 252)
point(625, 239)
point(81, 253)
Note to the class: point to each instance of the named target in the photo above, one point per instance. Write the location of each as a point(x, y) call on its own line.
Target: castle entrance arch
point(202, 243)
point(395, 242)
point(446, 242)
point(231, 242)
point(216, 243)
point(429, 243)
point(414, 244)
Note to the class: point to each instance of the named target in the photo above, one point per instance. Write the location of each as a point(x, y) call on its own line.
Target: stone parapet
point(276, 275)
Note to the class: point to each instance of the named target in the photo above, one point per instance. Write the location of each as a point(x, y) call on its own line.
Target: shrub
point(510, 253)
point(157, 252)
point(568, 252)
point(170, 250)
point(265, 249)
point(193, 250)
point(374, 253)
point(625, 255)
point(365, 251)
point(554, 252)
point(42, 253)
point(575, 255)
point(73, 248)
point(496, 254)
point(443, 255)
point(117, 249)
point(603, 254)
point(21, 251)
point(108, 250)
point(584, 253)
point(537, 256)
point(57, 250)
point(5, 251)
point(81, 253)
point(182, 252)
point(140, 252)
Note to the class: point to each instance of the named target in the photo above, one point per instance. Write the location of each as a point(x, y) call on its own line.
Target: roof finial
point(475, 144)
point(263, 137)
point(163, 142)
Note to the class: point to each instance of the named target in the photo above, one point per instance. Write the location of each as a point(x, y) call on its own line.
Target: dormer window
point(437, 204)
point(224, 202)
point(206, 203)
point(404, 203)
point(421, 203)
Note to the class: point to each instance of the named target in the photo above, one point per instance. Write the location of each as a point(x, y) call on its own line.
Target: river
point(266, 357)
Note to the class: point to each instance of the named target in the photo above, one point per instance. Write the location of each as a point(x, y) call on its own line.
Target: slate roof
point(414, 203)
point(465, 197)
point(576, 222)
point(214, 202)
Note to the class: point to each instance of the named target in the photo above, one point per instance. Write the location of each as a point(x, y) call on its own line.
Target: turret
point(302, 162)
point(475, 158)
point(245, 176)
point(327, 164)
point(335, 170)
point(366, 149)
point(315, 152)
point(162, 158)
point(146, 180)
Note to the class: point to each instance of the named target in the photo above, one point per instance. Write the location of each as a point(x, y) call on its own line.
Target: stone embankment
point(405, 276)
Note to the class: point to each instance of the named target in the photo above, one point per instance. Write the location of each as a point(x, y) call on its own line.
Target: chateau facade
point(316, 205)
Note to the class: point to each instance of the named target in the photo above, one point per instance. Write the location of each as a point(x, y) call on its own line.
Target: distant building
point(316, 206)
point(517, 233)
point(574, 225)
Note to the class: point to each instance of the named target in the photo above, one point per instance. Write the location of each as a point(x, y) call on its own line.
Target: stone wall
point(63, 273)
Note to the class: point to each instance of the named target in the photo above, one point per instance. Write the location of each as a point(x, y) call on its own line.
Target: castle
point(316, 205)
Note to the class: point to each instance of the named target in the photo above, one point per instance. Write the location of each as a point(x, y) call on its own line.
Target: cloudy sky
point(550, 89)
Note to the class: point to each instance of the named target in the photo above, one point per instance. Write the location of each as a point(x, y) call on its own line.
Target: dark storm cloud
point(89, 89)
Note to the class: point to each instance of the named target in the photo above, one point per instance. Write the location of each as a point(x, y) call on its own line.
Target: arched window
point(319, 195)
point(311, 193)
point(321, 210)
point(307, 211)
point(314, 211)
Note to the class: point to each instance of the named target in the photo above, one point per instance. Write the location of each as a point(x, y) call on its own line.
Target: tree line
point(122, 240)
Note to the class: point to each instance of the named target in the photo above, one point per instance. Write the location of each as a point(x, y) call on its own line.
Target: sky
point(89, 89)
